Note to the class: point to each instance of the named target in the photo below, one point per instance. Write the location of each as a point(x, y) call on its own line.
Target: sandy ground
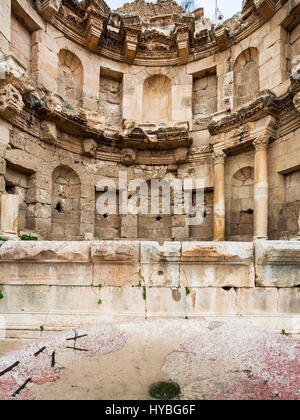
point(152, 351)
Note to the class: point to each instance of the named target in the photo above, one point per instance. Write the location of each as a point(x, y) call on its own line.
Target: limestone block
point(9, 214)
point(24, 299)
point(180, 232)
point(122, 303)
point(289, 301)
point(11, 102)
point(166, 303)
point(75, 299)
point(257, 301)
point(277, 263)
point(90, 147)
point(48, 132)
point(116, 263)
point(160, 275)
point(154, 252)
point(212, 264)
point(117, 251)
point(211, 301)
point(216, 275)
point(129, 226)
point(45, 251)
point(46, 273)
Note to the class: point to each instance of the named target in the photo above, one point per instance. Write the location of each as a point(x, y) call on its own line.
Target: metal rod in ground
point(9, 368)
point(74, 348)
point(39, 351)
point(76, 338)
point(53, 360)
point(21, 388)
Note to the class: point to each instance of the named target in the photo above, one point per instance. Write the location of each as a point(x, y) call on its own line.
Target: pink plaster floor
point(209, 361)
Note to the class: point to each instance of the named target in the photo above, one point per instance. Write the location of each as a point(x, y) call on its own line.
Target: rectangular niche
point(17, 182)
point(107, 226)
point(204, 232)
point(204, 93)
point(110, 97)
point(21, 42)
point(291, 209)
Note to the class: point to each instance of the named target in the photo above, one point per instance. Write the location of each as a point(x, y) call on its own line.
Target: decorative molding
point(222, 37)
point(219, 157)
point(48, 8)
point(182, 42)
point(266, 8)
point(296, 101)
point(261, 143)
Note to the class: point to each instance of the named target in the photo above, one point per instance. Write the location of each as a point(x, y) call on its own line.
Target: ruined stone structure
point(87, 92)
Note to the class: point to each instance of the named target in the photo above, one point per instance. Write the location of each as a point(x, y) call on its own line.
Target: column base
point(9, 236)
point(260, 238)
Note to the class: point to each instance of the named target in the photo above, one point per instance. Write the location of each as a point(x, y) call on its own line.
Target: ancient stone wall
point(58, 285)
point(150, 93)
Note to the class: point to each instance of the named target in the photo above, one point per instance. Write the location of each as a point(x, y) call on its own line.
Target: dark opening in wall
point(9, 188)
point(59, 208)
point(158, 218)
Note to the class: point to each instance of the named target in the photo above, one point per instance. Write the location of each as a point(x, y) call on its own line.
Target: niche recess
point(110, 97)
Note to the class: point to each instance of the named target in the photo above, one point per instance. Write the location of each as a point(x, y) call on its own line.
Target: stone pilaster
point(219, 196)
point(261, 188)
point(9, 215)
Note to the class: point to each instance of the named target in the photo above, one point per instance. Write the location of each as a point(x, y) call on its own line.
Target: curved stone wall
point(159, 94)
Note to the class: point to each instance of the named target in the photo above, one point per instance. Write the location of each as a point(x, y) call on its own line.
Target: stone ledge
point(277, 263)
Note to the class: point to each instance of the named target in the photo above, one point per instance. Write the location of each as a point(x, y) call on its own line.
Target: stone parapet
point(59, 285)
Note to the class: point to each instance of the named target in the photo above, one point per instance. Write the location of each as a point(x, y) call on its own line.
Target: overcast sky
point(227, 7)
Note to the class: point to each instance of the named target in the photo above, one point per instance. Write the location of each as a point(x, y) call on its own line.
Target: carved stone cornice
point(154, 138)
point(86, 26)
point(219, 157)
point(11, 102)
point(183, 43)
point(265, 104)
point(48, 8)
point(221, 37)
point(95, 24)
point(12, 72)
point(75, 121)
point(131, 35)
point(266, 8)
point(296, 101)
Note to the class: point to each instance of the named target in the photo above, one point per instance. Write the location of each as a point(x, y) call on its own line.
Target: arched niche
point(65, 204)
point(242, 205)
point(70, 77)
point(246, 70)
point(157, 99)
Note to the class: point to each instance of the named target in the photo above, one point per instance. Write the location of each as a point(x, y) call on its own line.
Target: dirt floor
point(208, 360)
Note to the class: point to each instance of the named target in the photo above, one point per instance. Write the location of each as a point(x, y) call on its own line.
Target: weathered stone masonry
point(158, 93)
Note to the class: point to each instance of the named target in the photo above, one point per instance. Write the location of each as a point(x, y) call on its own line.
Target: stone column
point(219, 196)
point(261, 188)
point(298, 236)
point(9, 215)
